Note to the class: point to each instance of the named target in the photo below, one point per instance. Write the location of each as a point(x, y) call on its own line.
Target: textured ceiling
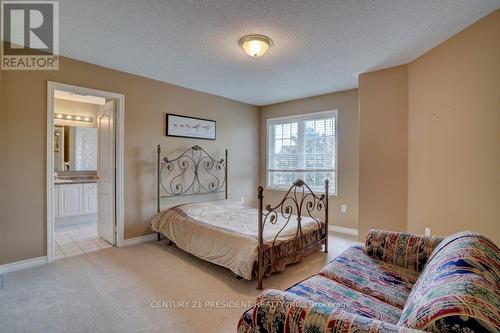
point(319, 46)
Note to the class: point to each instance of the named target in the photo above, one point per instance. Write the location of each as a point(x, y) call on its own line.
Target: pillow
point(400, 248)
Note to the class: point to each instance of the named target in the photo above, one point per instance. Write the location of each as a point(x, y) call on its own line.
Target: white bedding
point(223, 232)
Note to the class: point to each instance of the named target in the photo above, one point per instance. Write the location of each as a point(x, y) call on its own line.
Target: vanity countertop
point(75, 181)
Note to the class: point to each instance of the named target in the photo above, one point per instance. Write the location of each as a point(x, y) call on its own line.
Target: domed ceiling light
point(255, 45)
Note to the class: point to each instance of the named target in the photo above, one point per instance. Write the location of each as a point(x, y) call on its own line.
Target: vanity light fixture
point(73, 117)
point(255, 45)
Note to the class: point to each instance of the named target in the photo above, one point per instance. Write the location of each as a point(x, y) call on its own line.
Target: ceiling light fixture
point(255, 45)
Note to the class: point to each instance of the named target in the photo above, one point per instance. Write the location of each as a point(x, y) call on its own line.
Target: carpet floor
point(148, 287)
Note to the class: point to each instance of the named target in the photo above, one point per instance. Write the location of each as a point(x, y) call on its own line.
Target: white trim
point(344, 230)
point(318, 114)
point(23, 264)
point(139, 240)
point(50, 172)
point(283, 189)
point(120, 167)
point(120, 127)
point(313, 114)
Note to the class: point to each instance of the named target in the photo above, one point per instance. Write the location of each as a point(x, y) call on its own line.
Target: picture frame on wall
point(190, 127)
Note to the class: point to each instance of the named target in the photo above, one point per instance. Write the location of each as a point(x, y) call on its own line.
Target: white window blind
point(303, 147)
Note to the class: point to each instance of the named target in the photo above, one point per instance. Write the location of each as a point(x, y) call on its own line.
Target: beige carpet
point(113, 290)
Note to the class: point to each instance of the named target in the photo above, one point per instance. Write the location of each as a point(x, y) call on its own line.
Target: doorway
point(84, 170)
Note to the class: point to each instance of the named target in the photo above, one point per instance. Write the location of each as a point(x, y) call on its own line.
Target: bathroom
point(76, 174)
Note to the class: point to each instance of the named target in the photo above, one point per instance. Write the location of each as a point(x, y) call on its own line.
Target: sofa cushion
point(386, 282)
point(283, 312)
point(400, 248)
point(459, 289)
point(319, 289)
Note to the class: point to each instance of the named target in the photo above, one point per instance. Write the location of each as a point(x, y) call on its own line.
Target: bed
point(250, 242)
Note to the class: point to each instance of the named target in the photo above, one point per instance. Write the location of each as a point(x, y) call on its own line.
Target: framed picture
point(190, 127)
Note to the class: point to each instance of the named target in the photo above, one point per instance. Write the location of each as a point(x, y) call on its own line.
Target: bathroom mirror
point(75, 148)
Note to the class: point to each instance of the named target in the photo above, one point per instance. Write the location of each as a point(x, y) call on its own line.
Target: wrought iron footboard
point(299, 201)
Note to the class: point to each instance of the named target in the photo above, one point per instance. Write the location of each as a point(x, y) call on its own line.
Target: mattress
point(225, 232)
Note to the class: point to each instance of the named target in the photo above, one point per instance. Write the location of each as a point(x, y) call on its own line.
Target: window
point(303, 147)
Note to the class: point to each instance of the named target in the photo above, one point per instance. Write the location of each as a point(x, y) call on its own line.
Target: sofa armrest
point(281, 311)
point(400, 248)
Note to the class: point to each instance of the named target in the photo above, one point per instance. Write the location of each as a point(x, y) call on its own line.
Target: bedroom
point(403, 93)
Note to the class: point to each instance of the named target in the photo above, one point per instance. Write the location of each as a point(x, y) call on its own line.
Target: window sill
point(281, 189)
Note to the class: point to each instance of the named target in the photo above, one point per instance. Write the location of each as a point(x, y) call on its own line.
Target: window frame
point(301, 117)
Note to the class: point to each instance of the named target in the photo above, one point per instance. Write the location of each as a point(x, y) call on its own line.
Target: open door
point(106, 172)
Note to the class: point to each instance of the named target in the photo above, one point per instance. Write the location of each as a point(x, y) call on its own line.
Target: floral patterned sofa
point(397, 282)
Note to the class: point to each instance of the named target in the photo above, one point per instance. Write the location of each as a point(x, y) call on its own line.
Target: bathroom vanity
point(75, 165)
point(75, 198)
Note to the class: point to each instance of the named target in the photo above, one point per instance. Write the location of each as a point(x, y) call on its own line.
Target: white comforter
point(223, 232)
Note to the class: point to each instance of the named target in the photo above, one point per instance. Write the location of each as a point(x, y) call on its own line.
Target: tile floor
point(72, 240)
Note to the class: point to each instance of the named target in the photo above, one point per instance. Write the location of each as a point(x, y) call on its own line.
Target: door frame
point(119, 159)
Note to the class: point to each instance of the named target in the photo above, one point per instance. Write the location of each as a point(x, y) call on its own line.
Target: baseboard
point(23, 264)
point(139, 240)
point(70, 220)
point(344, 230)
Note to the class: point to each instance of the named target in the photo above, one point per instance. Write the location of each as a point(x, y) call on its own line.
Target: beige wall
point(383, 149)
point(454, 134)
point(430, 138)
point(146, 102)
point(346, 102)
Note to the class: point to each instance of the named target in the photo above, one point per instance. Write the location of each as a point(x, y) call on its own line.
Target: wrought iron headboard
point(205, 175)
